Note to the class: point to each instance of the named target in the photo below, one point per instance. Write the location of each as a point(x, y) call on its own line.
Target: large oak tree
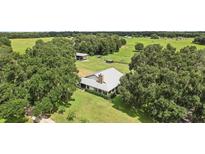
point(41, 80)
point(166, 84)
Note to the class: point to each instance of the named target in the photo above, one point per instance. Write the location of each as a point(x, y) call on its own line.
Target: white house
point(104, 82)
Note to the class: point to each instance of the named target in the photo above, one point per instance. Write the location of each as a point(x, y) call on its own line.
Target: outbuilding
point(81, 56)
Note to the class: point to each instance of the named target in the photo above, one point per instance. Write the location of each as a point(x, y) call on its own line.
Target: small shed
point(109, 61)
point(81, 56)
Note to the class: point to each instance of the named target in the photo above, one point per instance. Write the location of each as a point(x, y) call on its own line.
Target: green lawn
point(92, 108)
point(127, 51)
point(180, 43)
point(20, 45)
point(2, 120)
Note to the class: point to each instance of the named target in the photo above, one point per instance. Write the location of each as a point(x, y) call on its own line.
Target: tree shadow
point(119, 105)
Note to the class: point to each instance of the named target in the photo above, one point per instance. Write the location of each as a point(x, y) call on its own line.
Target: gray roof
point(111, 79)
point(81, 54)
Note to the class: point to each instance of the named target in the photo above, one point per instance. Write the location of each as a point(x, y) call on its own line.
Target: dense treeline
point(74, 33)
point(5, 46)
point(199, 40)
point(167, 85)
point(100, 44)
point(39, 81)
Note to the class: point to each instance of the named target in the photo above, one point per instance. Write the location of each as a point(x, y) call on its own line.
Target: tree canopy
point(199, 40)
point(154, 36)
point(167, 85)
point(41, 80)
point(168, 34)
point(100, 44)
point(139, 46)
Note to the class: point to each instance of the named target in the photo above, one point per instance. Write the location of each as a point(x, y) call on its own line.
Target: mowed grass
point(20, 45)
point(91, 108)
point(123, 57)
point(2, 120)
point(177, 43)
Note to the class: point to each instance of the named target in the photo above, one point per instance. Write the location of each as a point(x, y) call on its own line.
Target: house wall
point(99, 90)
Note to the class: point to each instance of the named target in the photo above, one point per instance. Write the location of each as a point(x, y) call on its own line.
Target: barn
point(81, 56)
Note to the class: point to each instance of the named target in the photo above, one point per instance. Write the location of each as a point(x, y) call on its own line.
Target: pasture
point(20, 45)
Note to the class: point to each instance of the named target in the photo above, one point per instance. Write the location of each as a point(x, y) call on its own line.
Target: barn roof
point(111, 78)
point(81, 54)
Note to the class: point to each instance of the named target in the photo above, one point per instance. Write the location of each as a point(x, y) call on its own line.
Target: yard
point(91, 108)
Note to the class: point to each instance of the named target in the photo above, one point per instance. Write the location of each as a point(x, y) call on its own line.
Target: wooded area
point(167, 85)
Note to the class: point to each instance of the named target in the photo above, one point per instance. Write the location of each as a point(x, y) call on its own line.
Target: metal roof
point(111, 78)
point(81, 54)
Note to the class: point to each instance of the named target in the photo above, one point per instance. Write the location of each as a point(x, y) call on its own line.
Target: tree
point(5, 41)
point(154, 36)
point(167, 85)
point(43, 79)
point(139, 46)
point(199, 40)
point(123, 41)
point(100, 44)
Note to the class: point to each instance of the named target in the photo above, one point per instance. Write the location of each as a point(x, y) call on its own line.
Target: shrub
point(61, 110)
point(100, 94)
point(71, 116)
point(139, 46)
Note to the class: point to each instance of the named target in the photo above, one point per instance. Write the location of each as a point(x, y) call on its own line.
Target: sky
point(102, 15)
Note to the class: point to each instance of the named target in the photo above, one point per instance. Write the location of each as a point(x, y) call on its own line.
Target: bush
point(99, 94)
point(123, 41)
point(139, 46)
point(61, 110)
point(71, 116)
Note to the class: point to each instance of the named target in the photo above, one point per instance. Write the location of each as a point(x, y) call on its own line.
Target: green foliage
point(71, 116)
point(5, 47)
point(154, 36)
point(123, 41)
point(108, 96)
point(61, 109)
point(139, 46)
point(5, 41)
point(45, 77)
point(168, 86)
point(199, 40)
point(13, 110)
point(100, 44)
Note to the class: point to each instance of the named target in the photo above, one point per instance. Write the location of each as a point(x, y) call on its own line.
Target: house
point(81, 56)
point(104, 82)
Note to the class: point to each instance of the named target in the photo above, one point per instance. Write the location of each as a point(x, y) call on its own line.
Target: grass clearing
point(20, 45)
point(91, 108)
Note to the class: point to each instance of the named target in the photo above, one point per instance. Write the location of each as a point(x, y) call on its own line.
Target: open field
point(92, 108)
point(123, 57)
point(20, 45)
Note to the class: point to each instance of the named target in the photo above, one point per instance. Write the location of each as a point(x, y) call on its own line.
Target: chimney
point(100, 78)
